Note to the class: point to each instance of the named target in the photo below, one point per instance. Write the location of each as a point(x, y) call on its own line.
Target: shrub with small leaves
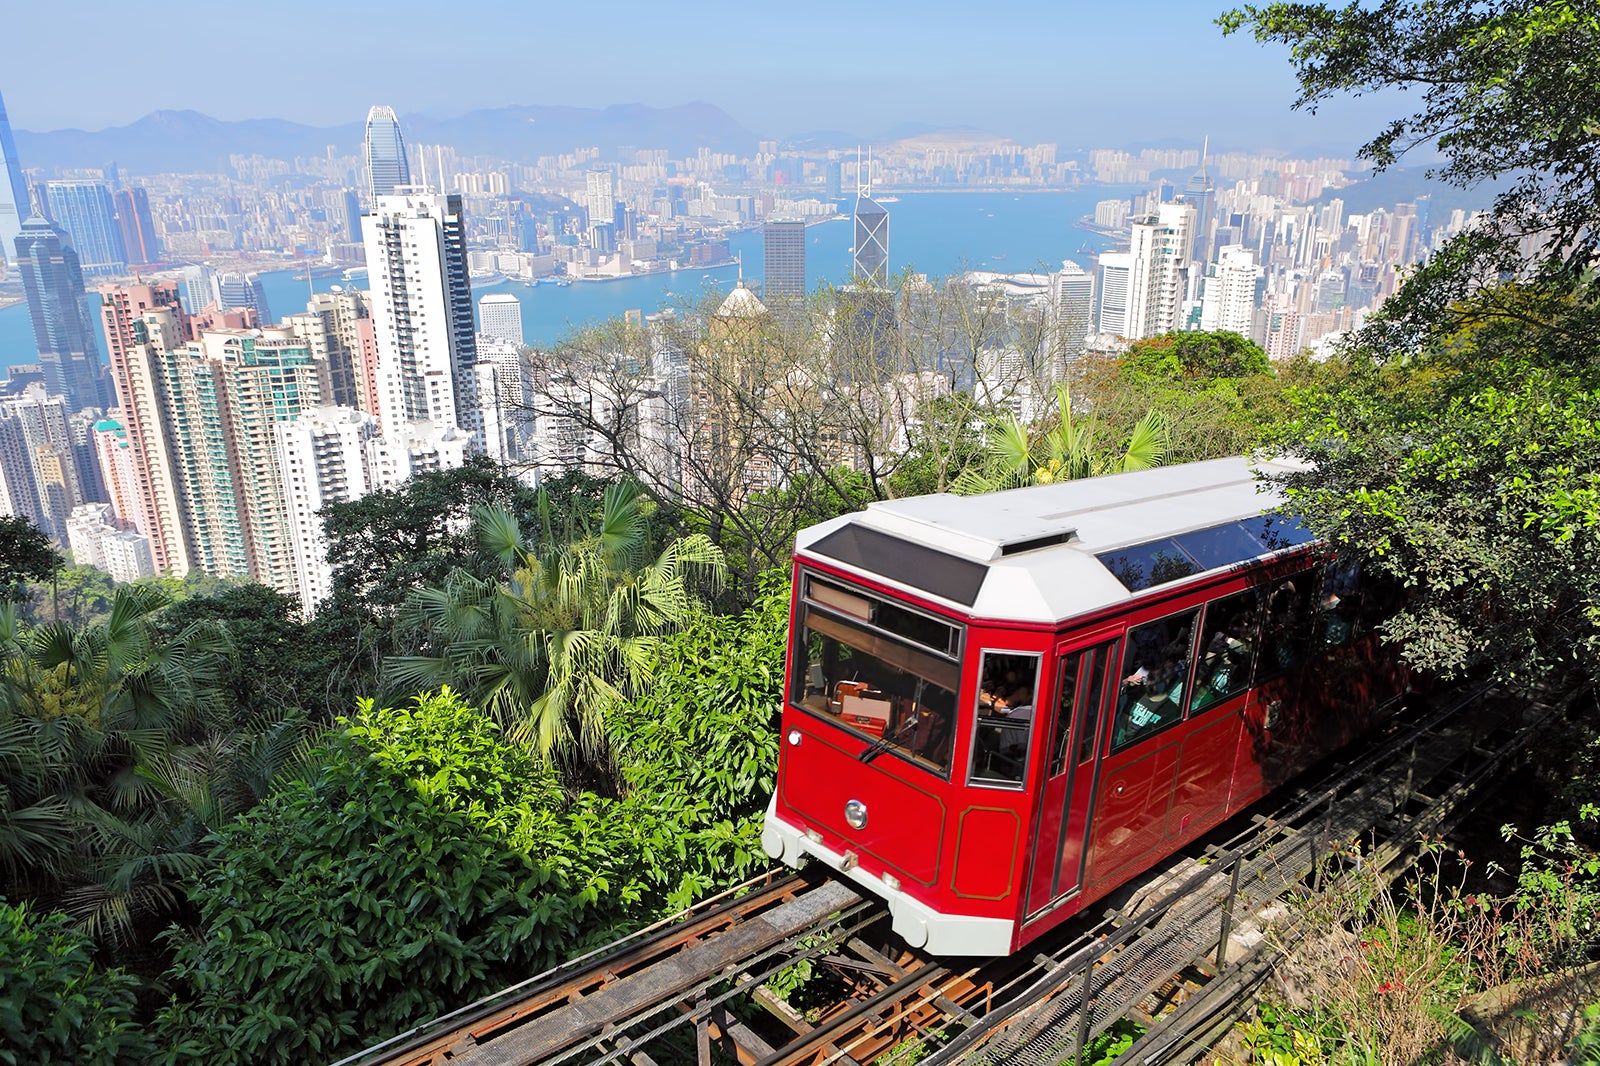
point(57, 1005)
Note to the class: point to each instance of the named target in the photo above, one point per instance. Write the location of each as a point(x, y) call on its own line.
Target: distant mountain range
point(188, 142)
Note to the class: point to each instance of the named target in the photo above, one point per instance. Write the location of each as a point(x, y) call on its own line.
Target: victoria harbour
point(933, 233)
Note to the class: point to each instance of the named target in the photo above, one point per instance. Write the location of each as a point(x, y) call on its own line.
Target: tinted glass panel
point(901, 697)
point(1220, 545)
point(1066, 699)
point(913, 565)
point(1005, 718)
point(1228, 645)
point(1094, 699)
point(1340, 603)
point(1277, 532)
point(1155, 673)
point(1286, 624)
point(902, 622)
point(1145, 565)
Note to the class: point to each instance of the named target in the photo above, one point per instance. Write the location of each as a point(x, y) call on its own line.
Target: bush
point(56, 1004)
point(388, 888)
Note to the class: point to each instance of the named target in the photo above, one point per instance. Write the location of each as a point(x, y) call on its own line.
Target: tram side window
point(1340, 603)
point(1228, 642)
point(900, 697)
point(1066, 696)
point(1008, 682)
point(1155, 670)
point(1286, 623)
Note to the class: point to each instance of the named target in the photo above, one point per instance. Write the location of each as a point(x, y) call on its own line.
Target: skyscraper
point(500, 317)
point(783, 246)
point(334, 324)
point(602, 197)
point(141, 322)
point(1228, 296)
point(13, 188)
point(233, 291)
point(138, 228)
point(85, 211)
point(872, 241)
point(422, 311)
point(352, 215)
point(322, 459)
point(387, 166)
point(199, 288)
point(1203, 195)
point(224, 393)
point(62, 327)
point(1116, 269)
point(36, 451)
point(1159, 248)
point(1071, 313)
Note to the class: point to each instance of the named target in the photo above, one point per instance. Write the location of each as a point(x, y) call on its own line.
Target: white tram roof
point(1049, 552)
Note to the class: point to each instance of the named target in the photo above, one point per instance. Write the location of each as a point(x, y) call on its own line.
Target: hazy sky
point(1080, 72)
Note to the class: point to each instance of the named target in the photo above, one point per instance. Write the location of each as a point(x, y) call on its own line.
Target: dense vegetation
point(528, 721)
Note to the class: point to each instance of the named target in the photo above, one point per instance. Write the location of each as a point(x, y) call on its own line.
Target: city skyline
point(866, 72)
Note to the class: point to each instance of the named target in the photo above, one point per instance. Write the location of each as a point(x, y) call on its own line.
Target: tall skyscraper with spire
point(387, 166)
point(1201, 192)
point(63, 328)
point(13, 188)
point(872, 235)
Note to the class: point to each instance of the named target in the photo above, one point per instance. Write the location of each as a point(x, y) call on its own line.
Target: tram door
point(1075, 727)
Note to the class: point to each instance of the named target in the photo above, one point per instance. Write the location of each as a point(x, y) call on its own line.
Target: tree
point(567, 635)
point(25, 552)
point(1505, 89)
point(1063, 449)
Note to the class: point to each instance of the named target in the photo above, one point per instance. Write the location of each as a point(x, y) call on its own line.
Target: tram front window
point(899, 696)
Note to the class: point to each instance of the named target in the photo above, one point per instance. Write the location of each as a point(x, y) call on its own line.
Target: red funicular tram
point(1001, 707)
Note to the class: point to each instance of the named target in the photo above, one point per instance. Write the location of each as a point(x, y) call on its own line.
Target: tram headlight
point(855, 814)
point(794, 738)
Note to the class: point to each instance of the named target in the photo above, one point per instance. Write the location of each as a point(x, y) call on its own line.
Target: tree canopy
point(25, 552)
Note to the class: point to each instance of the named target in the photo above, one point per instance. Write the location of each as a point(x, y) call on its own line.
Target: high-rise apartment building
point(783, 246)
point(385, 149)
point(225, 391)
point(13, 188)
point(85, 211)
point(500, 317)
point(1229, 291)
point(422, 311)
point(350, 200)
point(601, 187)
point(37, 459)
point(1072, 316)
point(115, 458)
point(138, 228)
point(63, 329)
point(871, 249)
point(337, 326)
point(322, 459)
point(198, 288)
point(1116, 273)
point(141, 322)
point(1160, 246)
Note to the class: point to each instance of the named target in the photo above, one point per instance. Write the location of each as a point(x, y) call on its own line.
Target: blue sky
point(1077, 72)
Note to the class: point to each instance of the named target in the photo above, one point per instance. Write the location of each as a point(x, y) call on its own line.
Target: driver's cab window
point(1008, 683)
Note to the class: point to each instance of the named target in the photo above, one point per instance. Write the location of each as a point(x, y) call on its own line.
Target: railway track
point(1173, 954)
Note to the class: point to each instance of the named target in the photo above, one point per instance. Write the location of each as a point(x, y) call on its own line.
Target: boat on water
point(558, 282)
point(887, 199)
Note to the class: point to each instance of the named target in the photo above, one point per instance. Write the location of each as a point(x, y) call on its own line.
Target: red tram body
point(999, 708)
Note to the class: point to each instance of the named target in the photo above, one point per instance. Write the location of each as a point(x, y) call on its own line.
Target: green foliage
point(1471, 478)
point(1558, 889)
point(57, 1005)
point(1501, 87)
point(391, 885)
point(1104, 1049)
point(562, 640)
point(25, 552)
point(1062, 448)
point(1196, 355)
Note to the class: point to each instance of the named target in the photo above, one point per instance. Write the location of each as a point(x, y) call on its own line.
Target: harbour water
point(934, 233)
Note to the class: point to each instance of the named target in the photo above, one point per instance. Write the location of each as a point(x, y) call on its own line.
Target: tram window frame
point(1066, 707)
point(1240, 674)
point(876, 610)
point(1304, 584)
point(1018, 755)
point(1340, 596)
point(852, 609)
point(1125, 733)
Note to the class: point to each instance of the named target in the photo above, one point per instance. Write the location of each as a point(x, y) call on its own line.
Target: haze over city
point(1077, 73)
